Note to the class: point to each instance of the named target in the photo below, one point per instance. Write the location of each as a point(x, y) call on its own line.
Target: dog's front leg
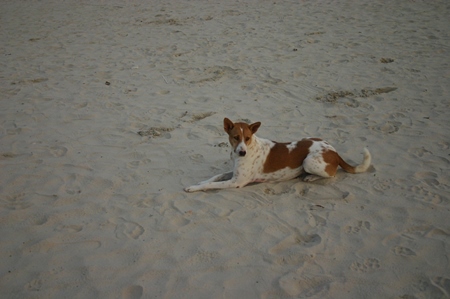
point(208, 185)
point(219, 177)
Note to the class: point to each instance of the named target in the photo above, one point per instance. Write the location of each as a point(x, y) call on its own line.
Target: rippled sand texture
point(108, 109)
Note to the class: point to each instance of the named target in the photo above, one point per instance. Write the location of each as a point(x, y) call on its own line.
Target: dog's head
point(240, 135)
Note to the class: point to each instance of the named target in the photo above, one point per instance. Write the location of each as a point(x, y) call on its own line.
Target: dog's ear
point(254, 127)
point(227, 125)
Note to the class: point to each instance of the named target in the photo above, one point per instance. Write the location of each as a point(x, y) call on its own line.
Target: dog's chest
point(253, 161)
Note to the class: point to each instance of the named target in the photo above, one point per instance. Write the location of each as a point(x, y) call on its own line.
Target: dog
point(262, 160)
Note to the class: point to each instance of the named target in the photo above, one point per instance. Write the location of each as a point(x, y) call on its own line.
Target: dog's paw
point(192, 189)
point(188, 189)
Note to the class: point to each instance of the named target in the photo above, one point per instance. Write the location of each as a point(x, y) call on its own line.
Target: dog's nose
point(242, 153)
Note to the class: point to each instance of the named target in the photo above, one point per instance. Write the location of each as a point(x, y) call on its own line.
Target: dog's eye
point(236, 138)
point(247, 138)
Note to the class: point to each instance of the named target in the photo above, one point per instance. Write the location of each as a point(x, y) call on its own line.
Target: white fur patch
point(241, 147)
point(279, 175)
point(320, 146)
point(291, 146)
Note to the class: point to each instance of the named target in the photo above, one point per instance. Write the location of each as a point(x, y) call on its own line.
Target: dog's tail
point(361, 167)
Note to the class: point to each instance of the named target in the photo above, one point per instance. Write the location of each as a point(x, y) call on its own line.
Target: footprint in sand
point(304, 287)
point(368, 265)
point(15, 202)
point(403, 251)
point(418, 152)
point(36, 219)
point(278, 190)
point(197, 158)
point(388, 127)
point(58, 151)
point(357, 227)
point(69, 228)
point(315, 220)
point(433, 287)
point(154, 132)
point(73, 185)
point(430, 178)
point(383, 185)
point(172, 222)
point(292, 259)
point(295, 239)
point(137, 163)
point(127, 229)
point(423, 194)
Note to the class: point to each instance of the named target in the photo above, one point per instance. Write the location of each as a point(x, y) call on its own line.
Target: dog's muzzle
point(242, 153)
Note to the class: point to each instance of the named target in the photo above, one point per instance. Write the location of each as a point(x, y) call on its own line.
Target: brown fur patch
point(238, 132)
point(332, 160)
point(279, 156)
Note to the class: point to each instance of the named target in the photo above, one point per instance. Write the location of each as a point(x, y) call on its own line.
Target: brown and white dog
point(261, 160)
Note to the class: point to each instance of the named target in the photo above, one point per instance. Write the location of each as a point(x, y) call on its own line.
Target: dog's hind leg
point(316, 168)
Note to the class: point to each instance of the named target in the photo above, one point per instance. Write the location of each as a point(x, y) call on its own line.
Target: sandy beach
point(108, 109)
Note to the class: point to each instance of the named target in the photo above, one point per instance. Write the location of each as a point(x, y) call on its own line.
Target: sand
point(108, 109)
